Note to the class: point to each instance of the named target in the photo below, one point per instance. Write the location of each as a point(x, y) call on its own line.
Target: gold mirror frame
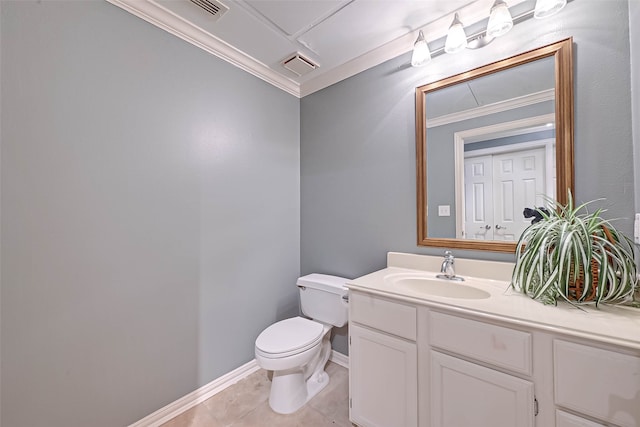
point(563, 53)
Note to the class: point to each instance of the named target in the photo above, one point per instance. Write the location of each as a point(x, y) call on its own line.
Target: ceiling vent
point(299, 65)
point(212, 7)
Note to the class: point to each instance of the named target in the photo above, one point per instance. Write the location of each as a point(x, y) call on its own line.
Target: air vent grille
point(299, 65)
point(212, 7)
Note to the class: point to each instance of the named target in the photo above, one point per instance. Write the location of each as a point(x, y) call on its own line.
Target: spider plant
point(568, 246)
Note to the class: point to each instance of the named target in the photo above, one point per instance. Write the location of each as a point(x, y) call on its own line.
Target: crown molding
point(434, 30)
point(496, 107)
point(357, 65)
point(163, 18)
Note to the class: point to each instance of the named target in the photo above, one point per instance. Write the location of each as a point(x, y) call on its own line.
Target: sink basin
point(440, 288)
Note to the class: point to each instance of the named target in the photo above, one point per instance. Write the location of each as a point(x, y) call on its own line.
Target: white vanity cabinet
point(413, 364)
point(420, 356)
point(383, 373)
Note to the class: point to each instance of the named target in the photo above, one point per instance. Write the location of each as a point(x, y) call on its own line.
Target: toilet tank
point(324, 298)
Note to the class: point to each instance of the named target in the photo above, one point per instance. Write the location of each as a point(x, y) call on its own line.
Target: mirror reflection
point(489, 137)
point(490, 147)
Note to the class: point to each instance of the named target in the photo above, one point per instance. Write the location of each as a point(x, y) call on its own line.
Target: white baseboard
point(339, 359)
point(187, 402)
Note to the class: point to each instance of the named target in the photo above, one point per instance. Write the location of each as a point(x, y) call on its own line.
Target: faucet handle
point(448, 254)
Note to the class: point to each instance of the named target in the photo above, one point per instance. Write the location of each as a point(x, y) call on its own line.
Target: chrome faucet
point(447, 265)
point(447, 271)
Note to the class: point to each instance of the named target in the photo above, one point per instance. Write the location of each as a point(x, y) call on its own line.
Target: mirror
point(491, 142)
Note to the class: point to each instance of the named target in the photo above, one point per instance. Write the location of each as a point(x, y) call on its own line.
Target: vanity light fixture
point(421, 54)
point(499, 23)
point(545, 8)
point(456, 37)
point(500, 20)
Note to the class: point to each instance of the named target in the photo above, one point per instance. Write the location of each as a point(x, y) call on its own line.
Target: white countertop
point(611, 324)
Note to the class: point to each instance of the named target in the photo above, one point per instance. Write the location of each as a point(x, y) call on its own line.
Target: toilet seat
point(289, 337)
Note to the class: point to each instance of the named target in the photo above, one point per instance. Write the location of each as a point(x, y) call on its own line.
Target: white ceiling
point(343, 37)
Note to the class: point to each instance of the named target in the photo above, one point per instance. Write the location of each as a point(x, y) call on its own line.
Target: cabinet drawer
point(392, 317)
point(565, 419)
point(600, 383)
point(499, 346)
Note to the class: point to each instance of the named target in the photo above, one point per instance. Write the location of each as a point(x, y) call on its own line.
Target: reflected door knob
point(498, 227)
point(486, 227)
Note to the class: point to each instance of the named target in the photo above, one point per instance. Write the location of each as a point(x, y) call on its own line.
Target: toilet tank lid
point(324, 282)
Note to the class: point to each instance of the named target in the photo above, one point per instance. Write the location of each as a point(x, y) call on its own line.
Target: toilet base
point(292, 388)
point(289, 391)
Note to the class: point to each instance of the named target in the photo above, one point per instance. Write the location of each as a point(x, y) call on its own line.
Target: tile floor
point(245, 404)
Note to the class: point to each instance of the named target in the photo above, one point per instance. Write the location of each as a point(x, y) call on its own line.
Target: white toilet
point(297, 349)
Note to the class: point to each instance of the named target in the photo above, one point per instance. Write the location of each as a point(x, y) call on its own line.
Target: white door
point(383, 379)
point(478, 195)
point(464, 394)
point(519, 182)
point(497, 188)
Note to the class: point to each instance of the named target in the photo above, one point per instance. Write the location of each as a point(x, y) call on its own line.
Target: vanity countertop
point(611, 324)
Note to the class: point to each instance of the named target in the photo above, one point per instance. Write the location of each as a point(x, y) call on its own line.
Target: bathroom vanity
point(429, 352)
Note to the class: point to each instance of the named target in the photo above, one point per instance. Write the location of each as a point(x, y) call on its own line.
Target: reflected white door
point(497, 188)
point(519, 181)
point(478, 194)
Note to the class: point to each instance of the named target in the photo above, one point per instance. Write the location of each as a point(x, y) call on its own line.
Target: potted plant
point(575, 256)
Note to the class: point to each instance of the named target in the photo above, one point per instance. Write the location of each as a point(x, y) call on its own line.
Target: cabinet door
point(464, 394)
point(383, 379)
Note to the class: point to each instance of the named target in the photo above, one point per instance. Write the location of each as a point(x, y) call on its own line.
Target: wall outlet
point(444, 210)
point(636, 230)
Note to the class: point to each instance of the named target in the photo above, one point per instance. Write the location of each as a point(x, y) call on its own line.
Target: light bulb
point(500, 21)
point(545, 8)
point(421, 54)
point(456, 37)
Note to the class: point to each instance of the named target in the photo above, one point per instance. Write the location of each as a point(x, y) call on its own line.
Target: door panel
point(478, 192)
point(520, 176)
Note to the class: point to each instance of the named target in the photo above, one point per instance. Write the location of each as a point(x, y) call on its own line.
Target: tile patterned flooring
point(245, 404)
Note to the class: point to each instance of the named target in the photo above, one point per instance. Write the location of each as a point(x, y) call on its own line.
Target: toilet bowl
point(297, 349)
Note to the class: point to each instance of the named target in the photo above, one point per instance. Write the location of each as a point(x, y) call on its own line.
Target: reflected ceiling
point(530, 78)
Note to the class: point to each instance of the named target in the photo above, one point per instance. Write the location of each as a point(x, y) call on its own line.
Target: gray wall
point(634, 39)
point(150, 214)
point(358, 136)
point(0, 215)
point(151, 196)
